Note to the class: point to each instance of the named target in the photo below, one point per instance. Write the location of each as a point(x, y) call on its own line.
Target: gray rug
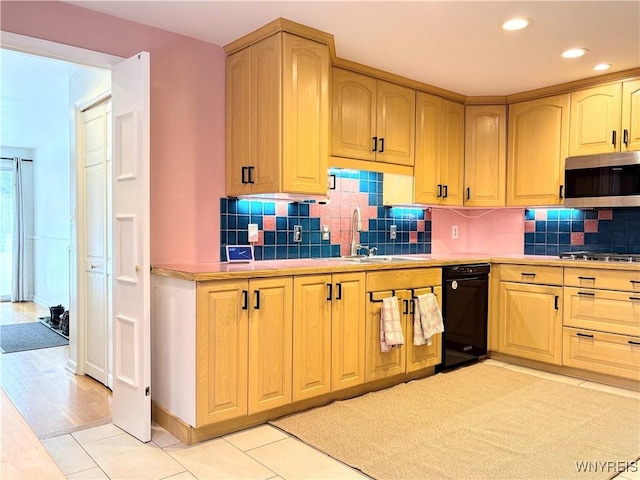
point(19, 337)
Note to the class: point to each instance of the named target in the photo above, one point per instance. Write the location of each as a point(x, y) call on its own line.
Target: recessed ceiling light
point(602, 66)
point(517, 23)
point(574, 52)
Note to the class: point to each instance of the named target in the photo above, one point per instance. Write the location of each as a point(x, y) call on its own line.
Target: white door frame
point(90, 58)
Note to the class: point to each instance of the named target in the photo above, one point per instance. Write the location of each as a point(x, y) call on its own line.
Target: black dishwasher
point(464, 311)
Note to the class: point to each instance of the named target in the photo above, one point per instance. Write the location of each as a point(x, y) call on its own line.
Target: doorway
point(38, 94)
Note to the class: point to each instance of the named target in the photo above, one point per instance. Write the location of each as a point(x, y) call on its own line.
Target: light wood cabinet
point(537, 145)
point(277, 117)
point(409, 357)
point(439, 151)
point(222, 340)
point(243, 347)
point(270, 343)
point(605, 119)
point(372, 119)
point(530, 312)
point(485, 155)
point(328, 333)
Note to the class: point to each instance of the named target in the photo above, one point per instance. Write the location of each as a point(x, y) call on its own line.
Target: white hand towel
point(390, 327)
point(427, 320)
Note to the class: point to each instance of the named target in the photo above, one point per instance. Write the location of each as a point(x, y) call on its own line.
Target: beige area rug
point(479, 422)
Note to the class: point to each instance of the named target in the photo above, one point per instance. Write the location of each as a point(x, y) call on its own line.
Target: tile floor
point(263, 452)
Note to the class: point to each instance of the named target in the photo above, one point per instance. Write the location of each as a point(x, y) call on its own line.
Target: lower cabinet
point(409, 357)
point(328, 333)
point(608, 353)
point(243, 347)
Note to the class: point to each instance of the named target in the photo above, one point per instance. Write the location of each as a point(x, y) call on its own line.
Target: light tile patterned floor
point(262, 452)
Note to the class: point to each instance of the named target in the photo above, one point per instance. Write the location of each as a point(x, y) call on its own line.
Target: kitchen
point(190, 251)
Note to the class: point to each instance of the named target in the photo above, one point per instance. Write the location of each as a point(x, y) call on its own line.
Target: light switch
point(393, 232)
point(325, 232)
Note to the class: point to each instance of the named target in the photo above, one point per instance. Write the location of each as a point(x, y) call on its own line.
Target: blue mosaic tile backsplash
point(553, 231)
point(276, 221)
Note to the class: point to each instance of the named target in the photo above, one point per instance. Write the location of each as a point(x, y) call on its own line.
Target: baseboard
point(72, 366)
point(41, 301)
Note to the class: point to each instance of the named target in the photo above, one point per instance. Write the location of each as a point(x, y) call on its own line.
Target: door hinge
point(147, 391)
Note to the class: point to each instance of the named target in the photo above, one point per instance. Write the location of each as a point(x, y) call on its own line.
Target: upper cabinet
point(372, 119)
point(538, 138)
point(485, 155)
point(605, 119)
point(277, 117)
point(439, 151)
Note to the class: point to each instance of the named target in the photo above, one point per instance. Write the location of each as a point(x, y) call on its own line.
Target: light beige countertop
point(275, 268)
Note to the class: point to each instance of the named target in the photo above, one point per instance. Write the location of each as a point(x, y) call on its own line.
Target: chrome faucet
point(356, 226)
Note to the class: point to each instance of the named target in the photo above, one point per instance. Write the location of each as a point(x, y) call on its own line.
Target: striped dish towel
point(390, 327)
point(427, 320)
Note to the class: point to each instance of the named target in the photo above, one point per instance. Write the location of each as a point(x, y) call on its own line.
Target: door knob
point(137, 269)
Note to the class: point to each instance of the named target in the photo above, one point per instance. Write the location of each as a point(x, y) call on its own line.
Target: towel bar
point(393, 294)
point(413, 291)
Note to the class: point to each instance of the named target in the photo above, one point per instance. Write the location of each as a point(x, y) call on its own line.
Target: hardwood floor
point(51, 399)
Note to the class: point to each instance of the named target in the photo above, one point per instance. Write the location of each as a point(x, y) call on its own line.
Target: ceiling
point(456, 45)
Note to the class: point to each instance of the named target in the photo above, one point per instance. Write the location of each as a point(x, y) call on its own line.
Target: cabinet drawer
point(531, 274)
point(403, 279)
point(625, 280)
point(616, 355)
point(603, 310)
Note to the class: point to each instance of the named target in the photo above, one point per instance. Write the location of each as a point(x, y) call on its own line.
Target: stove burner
point(602, 257)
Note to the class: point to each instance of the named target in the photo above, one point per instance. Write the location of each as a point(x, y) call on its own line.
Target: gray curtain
point(19, 285)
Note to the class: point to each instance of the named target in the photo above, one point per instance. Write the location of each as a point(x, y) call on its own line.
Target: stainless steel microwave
point(607, 180)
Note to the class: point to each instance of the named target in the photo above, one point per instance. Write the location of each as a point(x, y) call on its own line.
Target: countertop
point(272, 268)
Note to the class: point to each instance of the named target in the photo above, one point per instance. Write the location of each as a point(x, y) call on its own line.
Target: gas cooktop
point(602, 257)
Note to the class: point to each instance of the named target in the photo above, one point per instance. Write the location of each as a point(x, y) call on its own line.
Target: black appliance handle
point(439, 190)
point(593, 279)
point(625, 137)
point(446, 191)
point(250, 179)
point(329, 291)
point(561, 192)
point(339, 294)
point(375, 144)
point(555, 302)
point(584, 335)
point(381, 145)
point(613, 137)
point(257, 304)
point(527, 274)
point(633, 299)
point(631, 342)
point(244, 170)
point(406, 307)
point(468, 193)
point(589, 294)
point(463, 279)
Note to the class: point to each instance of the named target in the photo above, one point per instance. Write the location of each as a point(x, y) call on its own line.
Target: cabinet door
point(537, 147)
point(238, 122)
point(306, 116)
point(387, 364)
point(451, 155)
point(348, 331)
point(428, 120)
point(221, 351)
point(631, 115)
point(311, 336)
point(423, 356)
point(485, 155)
point(266, 115)
point(270, 343)
point(531, 321)
point(395, 119)
point(595, 120)
point(353, 120)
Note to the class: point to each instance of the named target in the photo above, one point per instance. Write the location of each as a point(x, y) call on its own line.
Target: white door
point(95, 156)
point(131, 262)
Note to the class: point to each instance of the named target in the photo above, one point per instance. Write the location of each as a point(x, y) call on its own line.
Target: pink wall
point(187, 117)
point(499, 231)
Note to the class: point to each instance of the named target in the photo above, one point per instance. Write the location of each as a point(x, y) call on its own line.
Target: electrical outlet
point(297, 233)
point(454, 232)
point(393, 232)
point(325, 232)
point(253, 232)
